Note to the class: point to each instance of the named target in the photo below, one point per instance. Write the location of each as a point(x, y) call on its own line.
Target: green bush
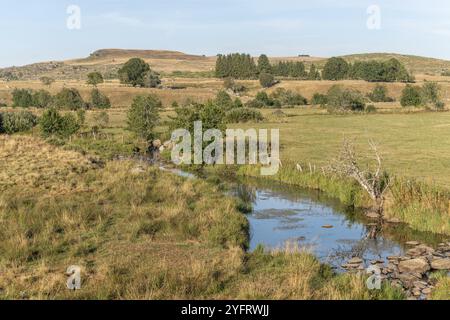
point(380, 94)
point(99, 100)
point(243, 115)
point(144, 115)
point(431, 95)
point(335, 69)
point(22, 98)
point(52, 124)
point(152, 80)
point(411, 96)
point(289, 98)
point(69, 99)
point(134, 72)
point(13, 122)
point(340, 99)
point(319, 99)
point(42, 99)
point(262, 100)
point(95, 78)
point(266, 80)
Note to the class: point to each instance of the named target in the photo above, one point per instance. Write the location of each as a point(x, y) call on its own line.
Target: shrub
point(42, 99)
point(144, 115)
point(230, 84)
point(289, 98)
point(47, 81)
point(411, 96)
point(69, 99)
point(370, 109)
point(13, 122)
point(431, 95)
point(380, 94)
point(99, 100)
point(335, 69)
point(243, 115)
point(53, 124)
point(224, 101)
point(266, 80)
point(319, 99)
point(134, 72)
point(22, 98)
point(340, 99)
point(95, 78)
point(101, 119)
point(152, 80)
point(262, 100)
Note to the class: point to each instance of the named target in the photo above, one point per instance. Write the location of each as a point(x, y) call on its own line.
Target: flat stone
point(328, 226)
point(441, 264)
point(420, 284)
point(377, 262)
point(394, 220)
point(417, 265)
point(355, 260)
point(416, 292)
point(372, 215)
point(426, 291)
point(420, 250)
point(412, 243)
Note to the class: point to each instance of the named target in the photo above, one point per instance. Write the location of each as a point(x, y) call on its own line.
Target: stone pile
point(412, 271)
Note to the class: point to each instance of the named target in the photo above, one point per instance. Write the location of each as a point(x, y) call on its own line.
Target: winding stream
point(285, 216)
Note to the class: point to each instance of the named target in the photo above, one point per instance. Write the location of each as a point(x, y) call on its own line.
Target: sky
point(34, 31)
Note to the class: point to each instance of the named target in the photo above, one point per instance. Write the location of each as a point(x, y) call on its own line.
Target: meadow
point(68, 202)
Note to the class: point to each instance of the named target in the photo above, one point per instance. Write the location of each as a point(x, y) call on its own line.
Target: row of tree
point(67, 98)
point(391, 70)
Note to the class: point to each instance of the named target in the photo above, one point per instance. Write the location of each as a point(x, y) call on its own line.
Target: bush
point(289, 98)
point(380, 94)
point(152, 80)
point(335, 69)
point(101, 119)
point(95, 78)
point(42, 99)
point(47, 81)
point(431, 95)
point(22, 98)
point(224, 101)
point(69, 99)
point(340, 99)
point(262, 100)
point(371, 109)
point(13, 122)
point(99, 100)
point(53, 124)
point(319, 99)
point(230, 84)
point(266, 80)
point(134, 72)
point(411, 96)
point(144, 115)
point(243, 115)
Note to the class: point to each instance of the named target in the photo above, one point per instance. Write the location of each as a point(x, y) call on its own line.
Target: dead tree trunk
point(375, 182)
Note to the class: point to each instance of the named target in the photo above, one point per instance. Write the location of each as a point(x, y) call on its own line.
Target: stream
point(284, 217)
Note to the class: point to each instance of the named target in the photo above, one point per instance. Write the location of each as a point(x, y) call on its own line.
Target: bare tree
point(374, 181)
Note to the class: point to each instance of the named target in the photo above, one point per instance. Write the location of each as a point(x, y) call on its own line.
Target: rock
point(420, 284)
point(418, 265)
point(328, 226)
point(394, 220)
point(157, 143)
point(416, 292)
point(137, 170)
point(441, 264)
point(420, 251)
point(355, 260)
point(412, 243)
point(426, 291)
point(377, 262)
point(372, 215)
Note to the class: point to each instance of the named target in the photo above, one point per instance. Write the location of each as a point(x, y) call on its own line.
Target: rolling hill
point(108, 62)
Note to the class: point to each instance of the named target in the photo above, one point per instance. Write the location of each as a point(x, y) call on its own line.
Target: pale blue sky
point(33, 31)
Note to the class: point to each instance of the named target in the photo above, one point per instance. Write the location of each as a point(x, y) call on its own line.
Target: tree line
point(243, 66)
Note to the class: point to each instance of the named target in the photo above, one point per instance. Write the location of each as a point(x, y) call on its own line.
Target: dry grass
point(146, 235)
point(30, 162)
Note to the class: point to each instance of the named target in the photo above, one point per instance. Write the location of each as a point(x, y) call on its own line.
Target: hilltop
point(108, 62)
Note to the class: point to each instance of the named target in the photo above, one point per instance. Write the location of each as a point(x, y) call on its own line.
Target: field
point(183, 238)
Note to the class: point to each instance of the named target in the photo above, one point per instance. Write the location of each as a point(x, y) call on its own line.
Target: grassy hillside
point(108, 61)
